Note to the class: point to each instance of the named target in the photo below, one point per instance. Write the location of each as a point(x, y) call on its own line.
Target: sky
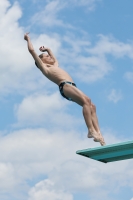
point(40, 131)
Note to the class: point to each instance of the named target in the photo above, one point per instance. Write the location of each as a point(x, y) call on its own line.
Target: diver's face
point(46, 58)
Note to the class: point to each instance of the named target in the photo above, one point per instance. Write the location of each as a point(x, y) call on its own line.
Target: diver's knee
point(87, 100)
point(93, 107)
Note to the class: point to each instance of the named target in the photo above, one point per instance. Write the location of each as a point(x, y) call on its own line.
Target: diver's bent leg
point(80, 98)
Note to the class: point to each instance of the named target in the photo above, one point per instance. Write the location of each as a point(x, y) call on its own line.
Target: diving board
point(109, 153)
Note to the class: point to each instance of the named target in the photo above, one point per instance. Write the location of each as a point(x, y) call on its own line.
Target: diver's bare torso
point(56, 74)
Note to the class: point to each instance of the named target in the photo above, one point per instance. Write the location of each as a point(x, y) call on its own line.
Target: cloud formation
point(31, 154)
point(45, 190)
point(129, 76)
point(50, 14)
point(95, 65)
point(110, 45)
point(39, 109)
point(89, 4)
point(115, 95)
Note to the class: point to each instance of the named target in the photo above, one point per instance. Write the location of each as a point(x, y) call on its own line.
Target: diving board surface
point(109, 153)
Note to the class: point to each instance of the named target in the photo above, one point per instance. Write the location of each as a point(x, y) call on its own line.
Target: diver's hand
point(26, 36)
point(42, 49)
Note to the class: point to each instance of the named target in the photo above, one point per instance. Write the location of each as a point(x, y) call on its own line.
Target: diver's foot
point(102, 142)
point(100, 139)
point(89, 135)
point(97, 137)
point(93, 134)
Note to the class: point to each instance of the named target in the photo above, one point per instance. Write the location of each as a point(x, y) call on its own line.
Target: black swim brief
point(61, 89)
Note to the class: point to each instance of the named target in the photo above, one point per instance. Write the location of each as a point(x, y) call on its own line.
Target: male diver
point(48, 64)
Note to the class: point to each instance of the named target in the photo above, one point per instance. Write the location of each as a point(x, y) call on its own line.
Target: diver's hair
point(36, 64)
point(41, 55)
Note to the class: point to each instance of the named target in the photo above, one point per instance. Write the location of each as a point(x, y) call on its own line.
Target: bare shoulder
point(56, 64)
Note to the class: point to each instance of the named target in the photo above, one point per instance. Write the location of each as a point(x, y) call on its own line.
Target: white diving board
point(109, 153)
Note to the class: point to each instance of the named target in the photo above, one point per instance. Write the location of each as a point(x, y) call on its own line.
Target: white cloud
point(3, 6)
point(115, 96)
point(89, 4)
point(52, 42)
point(12, 47)
point(129, 76)
point(45, 190)
point(92, 68)
point(29, 154)
point(112, 46)
point(94, 65)
point(87, 67)
point(7, 176)
point(39, 109)
point(49, 14)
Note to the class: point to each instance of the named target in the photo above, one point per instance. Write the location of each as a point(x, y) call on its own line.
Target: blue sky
point(39, 130)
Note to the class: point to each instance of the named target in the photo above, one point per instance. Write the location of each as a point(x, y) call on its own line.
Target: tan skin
point(48, 64)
